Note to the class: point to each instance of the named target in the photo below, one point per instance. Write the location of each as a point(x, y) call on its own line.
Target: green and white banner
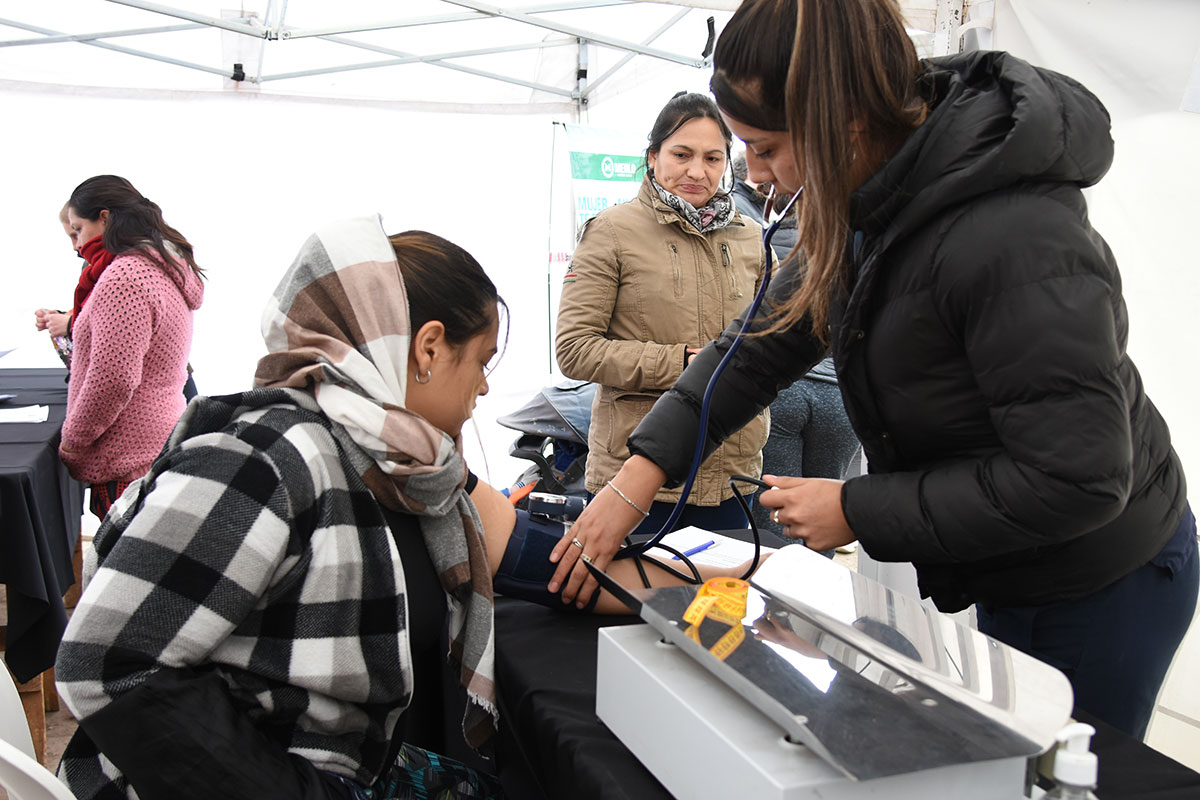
point(594, 168)
point(604, 166)
point(606, 169)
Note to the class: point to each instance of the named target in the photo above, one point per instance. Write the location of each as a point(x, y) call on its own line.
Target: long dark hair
point(444, 282)
point(681, 109)
point(134, 222)
point(848, 63)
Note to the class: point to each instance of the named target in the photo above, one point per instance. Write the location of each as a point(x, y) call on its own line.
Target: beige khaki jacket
point(643, 285)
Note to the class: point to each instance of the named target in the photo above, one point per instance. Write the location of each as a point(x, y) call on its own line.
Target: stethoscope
point(634, 551)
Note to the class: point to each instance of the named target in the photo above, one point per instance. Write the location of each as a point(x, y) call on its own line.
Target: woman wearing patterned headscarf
point(268, 612)
point(263, 604)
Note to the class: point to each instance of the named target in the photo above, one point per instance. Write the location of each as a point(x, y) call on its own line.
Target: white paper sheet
point(723, 552)
point(25, 414)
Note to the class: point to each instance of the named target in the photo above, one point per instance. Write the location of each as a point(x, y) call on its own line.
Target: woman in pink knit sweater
point(132, 334)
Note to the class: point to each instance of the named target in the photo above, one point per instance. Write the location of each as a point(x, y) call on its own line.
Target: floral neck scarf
point(717, 214)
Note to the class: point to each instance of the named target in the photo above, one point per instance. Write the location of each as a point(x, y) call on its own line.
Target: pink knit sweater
point(129, 364)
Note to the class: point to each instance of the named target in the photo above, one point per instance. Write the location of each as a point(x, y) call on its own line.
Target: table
point(40, 511)
point(551, 744)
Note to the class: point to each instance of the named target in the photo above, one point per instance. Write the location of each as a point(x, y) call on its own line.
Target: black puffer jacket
point(1014, 456)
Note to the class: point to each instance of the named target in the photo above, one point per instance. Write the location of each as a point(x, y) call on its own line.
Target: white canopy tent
point(453, 55)
point(437, 115)
point(430, 118)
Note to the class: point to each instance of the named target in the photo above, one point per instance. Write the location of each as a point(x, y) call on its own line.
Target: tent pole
point(91, 37)
point(629, 56)
point(571, 30)
point(262, 46)
point(434, 59)
point(118, 48)
point(949, 17)
point(301, 33)
point(550, 252)
point(581, 80)
point(215, 22)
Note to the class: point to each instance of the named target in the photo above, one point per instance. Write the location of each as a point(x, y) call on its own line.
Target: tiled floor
point(1175, 728)
point(60, 727)
point(1177, 738)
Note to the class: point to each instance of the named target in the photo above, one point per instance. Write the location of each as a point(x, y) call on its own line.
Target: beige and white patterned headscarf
point(338, 326)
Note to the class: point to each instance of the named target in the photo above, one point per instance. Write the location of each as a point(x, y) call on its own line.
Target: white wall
point(1138, 57)
point(247, 176)
point(246, 180)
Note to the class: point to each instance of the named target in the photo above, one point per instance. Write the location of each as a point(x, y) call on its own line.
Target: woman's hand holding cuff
point(602, 527)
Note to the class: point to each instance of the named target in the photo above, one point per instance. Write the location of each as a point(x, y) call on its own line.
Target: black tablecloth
point(551, 743)
point(553, 746)
point(40, 510)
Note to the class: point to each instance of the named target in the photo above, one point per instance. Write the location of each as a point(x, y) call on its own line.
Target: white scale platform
point(701, 739)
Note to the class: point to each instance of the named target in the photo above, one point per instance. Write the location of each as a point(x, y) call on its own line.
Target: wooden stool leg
point(49, 691)
point(35, 714)
point(72, 596)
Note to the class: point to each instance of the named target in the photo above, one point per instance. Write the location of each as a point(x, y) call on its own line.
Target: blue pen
point(698, 548)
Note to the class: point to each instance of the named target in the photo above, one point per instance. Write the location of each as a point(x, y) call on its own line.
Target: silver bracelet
point(621, 494)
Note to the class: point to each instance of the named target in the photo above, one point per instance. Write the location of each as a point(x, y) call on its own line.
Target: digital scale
point(830, 686)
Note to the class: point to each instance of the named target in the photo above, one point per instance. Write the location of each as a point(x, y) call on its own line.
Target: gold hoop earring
point(428, 377)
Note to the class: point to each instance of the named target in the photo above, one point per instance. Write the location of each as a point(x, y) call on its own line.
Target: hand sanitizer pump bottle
point(1074, 764)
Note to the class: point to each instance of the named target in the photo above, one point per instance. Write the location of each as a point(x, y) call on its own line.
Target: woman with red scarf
point(58, 322)
point(131, 335)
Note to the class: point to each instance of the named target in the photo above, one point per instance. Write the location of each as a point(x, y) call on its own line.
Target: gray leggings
point(810, 437)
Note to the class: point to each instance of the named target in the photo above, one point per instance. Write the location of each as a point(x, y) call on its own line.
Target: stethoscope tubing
point(632, 550)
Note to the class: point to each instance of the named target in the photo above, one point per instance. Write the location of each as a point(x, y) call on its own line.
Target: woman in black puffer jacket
point(979, 332)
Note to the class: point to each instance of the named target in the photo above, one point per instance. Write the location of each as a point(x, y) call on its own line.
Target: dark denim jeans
point(1115, 645)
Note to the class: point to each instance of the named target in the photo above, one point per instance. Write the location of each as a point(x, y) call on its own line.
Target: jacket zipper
point(675, 264)
point(726, 261)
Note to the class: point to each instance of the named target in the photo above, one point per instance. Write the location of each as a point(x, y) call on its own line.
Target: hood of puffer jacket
point(995, 121)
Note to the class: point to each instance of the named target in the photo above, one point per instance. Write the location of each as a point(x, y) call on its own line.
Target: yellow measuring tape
point(721, 600)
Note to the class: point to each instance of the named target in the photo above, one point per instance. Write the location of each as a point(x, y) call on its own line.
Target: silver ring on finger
point(586, 558)
point(775, 516)
point(577, 543)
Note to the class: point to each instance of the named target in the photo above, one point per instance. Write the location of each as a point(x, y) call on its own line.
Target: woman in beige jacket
point(650, 283)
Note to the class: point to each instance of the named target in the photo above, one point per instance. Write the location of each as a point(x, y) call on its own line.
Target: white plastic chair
point(25, 779)
point(14, 728)
point(20, 773)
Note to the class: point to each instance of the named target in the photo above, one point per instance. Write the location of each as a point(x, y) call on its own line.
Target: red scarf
point(97, 259)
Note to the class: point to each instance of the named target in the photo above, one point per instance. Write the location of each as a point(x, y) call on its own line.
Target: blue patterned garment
point(418, 774)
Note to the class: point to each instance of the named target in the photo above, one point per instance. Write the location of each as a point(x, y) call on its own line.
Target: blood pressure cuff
point(526, 568)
